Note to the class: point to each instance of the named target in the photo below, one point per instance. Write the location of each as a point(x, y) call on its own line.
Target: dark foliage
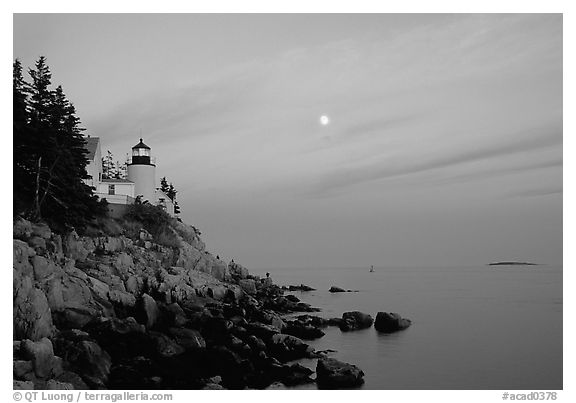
point(49, 154)
point(153, 219)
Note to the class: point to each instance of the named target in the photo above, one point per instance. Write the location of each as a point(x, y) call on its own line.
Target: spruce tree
point(50, 153)
point(164, 185)
point(172, 192)
point(23, 162)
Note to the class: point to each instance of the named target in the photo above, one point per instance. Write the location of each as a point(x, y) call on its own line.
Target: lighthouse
point(142, 171)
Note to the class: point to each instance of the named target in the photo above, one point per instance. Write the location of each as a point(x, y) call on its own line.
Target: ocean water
point(473, 327)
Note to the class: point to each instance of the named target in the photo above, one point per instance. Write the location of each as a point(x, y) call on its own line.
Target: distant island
point(512, 264)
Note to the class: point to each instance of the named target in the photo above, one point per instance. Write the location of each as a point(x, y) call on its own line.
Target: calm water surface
point(473, 327)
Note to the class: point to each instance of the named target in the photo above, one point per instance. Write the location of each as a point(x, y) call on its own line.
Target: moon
point(324, 120)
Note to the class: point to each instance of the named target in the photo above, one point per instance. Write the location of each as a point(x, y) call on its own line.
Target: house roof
point(115, 180)
point(91, 146)
point(141, 145)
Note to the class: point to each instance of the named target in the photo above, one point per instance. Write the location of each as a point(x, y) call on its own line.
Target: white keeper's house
point(140, 181)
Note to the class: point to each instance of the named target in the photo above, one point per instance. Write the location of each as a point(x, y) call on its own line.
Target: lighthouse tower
point(142, 171)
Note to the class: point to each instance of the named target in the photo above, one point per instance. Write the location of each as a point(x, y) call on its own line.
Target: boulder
point(174, 315)
point(303, 330)
point(22, 229)
point(292, 298)
point(21, 254)
point(121, 337)
point(265, 332)
point(187, 338)
point(287, 348)
point(300, 287)
point(248, 286)
point(21, 368)
point(41, 230)
point(124, 265)
point(32, 318)
point(390, 322)
point(297, 374)
point(336, 289)
point(237, 271)
point(334, 374)
point(355, 320)
point(164, 346)
point(255, 343)
point(37, 243)
point(150, 311)
point(91, 362)
point(122, 298)
point(218, 269)
point(41, 356)
point(21, 385)
point(276, 386)
point(72, 378)
point(56, 385)
point(43, 267)
point(213, 386)
point(74, 248)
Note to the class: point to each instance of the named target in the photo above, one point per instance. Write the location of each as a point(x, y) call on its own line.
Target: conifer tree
point(50, 153)
point(164, 185)
point(22, 142)
point(171, 192)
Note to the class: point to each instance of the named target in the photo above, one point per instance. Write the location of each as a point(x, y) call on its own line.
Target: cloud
point(514, 144)
point(536, 192)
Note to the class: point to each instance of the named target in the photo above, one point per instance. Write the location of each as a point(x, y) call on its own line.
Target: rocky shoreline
point(129, 312)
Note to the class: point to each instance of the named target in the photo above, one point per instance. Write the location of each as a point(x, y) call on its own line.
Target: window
point(140, 152)
point(111, 189)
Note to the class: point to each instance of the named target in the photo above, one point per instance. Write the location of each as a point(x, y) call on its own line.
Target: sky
point(443, 147)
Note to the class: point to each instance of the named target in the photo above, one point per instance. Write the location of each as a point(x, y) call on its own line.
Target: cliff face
point(130, 312)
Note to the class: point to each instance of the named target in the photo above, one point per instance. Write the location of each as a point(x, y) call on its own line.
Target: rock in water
point(390, 322)
point(355, 320)
point(334, 374)
point(336, 289)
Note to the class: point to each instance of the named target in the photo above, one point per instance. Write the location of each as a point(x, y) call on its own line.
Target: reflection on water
point(473, 327)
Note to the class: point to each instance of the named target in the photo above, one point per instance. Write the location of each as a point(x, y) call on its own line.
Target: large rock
point(22, 369)
point(265, 332)
point(303, 330)
point(32, 318)
point(150, 311)
point(187, 338)
point(248, 286)
point(390, 322)
point(56, 385)
point(218, 269)
point(355, 320)
point(74, 248)
point(287, 348)
point(23, 385)
point(21, 254)
point(121, 337)
point(124, 265)
point(43, 267)
point(166, 347)
point(41, 355)
point(122, 298)
point(237, 271)
point(336, 289)
point(22, 229)
point(334, 374)
point(91, 362)
point(41, 230)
